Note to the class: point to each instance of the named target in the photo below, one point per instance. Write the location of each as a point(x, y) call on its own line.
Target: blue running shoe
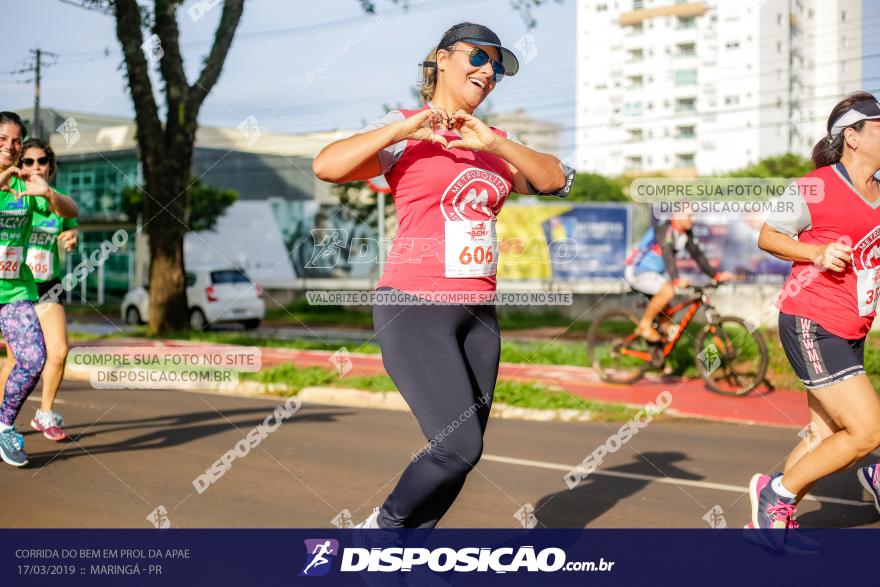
point(12, 448)
point(869, 477)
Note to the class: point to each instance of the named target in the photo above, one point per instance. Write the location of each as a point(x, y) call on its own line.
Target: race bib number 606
point(471, 248)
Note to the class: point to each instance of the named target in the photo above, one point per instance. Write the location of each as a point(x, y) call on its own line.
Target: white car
point(213, 295)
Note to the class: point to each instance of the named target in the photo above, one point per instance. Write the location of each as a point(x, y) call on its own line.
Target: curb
point(358, 398)
point(392, 400)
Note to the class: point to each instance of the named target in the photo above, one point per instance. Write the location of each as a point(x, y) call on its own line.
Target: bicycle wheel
point(617, 355)
point(731, 358)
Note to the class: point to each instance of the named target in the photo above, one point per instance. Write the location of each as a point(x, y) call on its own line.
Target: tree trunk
point(166, 151)
point(168, 180)
point(168, 304)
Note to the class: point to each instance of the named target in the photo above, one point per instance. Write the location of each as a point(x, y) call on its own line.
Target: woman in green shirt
point(49, 232)
point(19, 193)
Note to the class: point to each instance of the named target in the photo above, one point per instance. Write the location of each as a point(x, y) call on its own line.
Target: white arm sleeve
point(790, 214)
point(390, 154)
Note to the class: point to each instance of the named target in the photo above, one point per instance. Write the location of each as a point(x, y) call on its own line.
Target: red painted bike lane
point(690, 397)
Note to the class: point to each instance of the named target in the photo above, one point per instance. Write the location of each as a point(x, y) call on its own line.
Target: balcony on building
point(681, 10)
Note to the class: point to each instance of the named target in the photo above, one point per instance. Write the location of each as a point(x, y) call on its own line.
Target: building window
point(687, 22)
point(685, 104)
point(731, 100)
point(635, 135)
point(635, 29)
point(632, 109)
point(686, 132)
point(732, 45)
point(635, 55)
point(638, 4)
point(97, 186)
point(684, 160)
point(636, 82)
point(685, 77)
point(633, 163)
point(601, 7)
point(686, 49)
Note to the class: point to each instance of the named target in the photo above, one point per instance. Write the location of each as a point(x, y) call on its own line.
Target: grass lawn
point(513, 393)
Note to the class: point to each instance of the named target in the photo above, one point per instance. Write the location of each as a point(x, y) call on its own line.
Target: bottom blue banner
point(439, 557)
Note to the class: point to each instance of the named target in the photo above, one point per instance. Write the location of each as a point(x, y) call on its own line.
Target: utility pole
point(36, 67)
point(35, 127)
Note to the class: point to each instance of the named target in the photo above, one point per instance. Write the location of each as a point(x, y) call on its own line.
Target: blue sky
point(280, 43)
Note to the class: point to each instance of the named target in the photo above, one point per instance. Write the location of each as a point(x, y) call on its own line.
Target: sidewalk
point(780, 408)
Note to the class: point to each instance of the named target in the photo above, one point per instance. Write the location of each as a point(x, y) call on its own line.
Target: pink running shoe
point(49, 423)
point(770, 512)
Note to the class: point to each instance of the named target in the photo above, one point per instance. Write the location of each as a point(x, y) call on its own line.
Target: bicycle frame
point(694, 304)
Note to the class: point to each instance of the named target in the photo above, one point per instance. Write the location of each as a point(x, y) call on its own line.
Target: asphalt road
point(138, 450)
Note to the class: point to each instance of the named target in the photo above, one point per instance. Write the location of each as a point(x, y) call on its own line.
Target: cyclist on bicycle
point(651, 270)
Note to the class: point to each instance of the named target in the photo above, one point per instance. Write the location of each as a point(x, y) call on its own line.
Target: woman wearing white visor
point(832, 237)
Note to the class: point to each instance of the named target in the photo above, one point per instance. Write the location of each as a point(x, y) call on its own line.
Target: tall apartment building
point(706, 87)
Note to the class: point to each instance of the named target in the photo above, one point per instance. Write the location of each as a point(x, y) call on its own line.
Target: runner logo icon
point(320, 554)
point(475, 194)
point(866, 253)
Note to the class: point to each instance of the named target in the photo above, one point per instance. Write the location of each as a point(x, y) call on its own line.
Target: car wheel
point(197, 320)
point(251, 324)
point(132, 316)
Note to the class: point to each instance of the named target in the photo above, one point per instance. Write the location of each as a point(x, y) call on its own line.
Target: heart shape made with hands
point(35, 185)
point(468, 132)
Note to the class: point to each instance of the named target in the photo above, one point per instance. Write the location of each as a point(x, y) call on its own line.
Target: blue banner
point(588, 241)
point(732, 245)
point(425, 558)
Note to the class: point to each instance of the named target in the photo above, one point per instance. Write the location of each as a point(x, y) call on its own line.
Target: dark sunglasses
point(479, 58)
point(27, 161)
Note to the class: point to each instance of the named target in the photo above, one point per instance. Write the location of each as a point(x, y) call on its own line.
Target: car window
point(190, 279)
point(229, 276)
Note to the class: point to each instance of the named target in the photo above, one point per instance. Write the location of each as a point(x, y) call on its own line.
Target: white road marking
point(36, 398)
point(655, 479)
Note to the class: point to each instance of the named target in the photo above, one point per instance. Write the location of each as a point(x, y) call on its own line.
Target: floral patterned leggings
point(21, 329)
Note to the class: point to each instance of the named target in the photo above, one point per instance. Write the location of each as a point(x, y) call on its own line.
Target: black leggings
point(444, 361)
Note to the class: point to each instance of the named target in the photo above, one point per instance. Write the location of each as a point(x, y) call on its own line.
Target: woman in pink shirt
point(450, 174)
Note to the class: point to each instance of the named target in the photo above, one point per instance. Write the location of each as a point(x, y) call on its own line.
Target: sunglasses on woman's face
point(28, 162)
point(479, 58)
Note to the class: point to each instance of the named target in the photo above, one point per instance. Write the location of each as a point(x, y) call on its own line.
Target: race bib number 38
point(40, 262)
point(11, 259)
point(471, 248)
point(866, 262)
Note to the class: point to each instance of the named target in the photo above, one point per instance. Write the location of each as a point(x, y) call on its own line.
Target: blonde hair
point(428, 83)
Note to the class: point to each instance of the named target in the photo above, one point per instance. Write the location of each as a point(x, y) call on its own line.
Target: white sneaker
point(372, 522)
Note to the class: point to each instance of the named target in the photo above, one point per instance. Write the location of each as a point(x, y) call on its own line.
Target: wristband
point(565, 190)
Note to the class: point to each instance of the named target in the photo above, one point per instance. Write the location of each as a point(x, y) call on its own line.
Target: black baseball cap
point(480, 35)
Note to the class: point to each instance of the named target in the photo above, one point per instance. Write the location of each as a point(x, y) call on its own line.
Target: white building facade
point(691, 88)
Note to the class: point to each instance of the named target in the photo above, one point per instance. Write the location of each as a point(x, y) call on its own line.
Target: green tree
point(592, 187)
point(204, 204)
point(787, 165)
